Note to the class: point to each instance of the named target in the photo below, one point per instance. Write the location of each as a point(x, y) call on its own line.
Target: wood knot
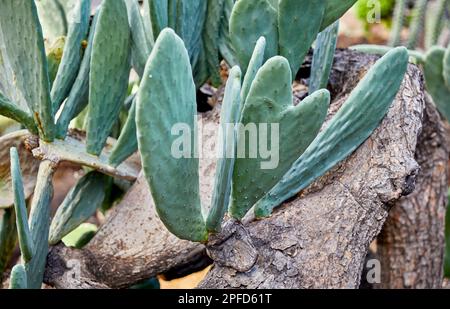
point(31, 142)
point(233, 247)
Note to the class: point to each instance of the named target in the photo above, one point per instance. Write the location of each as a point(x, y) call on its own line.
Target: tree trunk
point(412, 242)
point(319, 239)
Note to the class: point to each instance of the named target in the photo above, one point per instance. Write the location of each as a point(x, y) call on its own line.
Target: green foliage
point(81, 236)
point(334, 10)
point(79, 205)
point(52, 16)
point(349, 128)
point(18, 278)
point(211, 37)
point(280, 26)
point(270, 102)
point(109, 73)
point(447, 241)
point(323, 58)
point(73, 53)
point(8, 238)
point(294, 44)
point(167, 97)
point(54, 56)
point(249, 21)
point(23, 54)
point(231, 110)
point(20, 207)
point(39, 225)
point(434, 77)
point(79, 94)
point(127, 143)
point(91, 73)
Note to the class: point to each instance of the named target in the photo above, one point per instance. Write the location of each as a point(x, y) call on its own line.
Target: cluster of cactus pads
point(175, 46)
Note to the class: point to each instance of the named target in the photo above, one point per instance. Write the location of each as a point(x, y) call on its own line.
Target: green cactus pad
point(298, 25)
point(225, 46)
point(39, 224)
point(210, 38)
point(18, 279)
point(270, 102)
point(54, 56)
point(79, 94)
point(157, 12)
point(79, 205)
point(230, 114)
point(142, 41)
point(110, 69)
point(20, 207)
point(191, 19)
point(434, 78)
point(73, 53)
point(166, 98)
point(22, 46)
point(355, 121)
point(323, 58)
point(447, 67)
point(127, 143)
point(8, 238)
point(12, 111)
point(53, 19)
point(334, 10)
point(254, 65)
point(249, 21)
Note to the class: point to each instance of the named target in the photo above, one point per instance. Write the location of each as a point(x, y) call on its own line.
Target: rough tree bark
point(319, 239)
point(411, 244)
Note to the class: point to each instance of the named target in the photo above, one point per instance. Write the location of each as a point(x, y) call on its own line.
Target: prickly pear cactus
point(79, 205)
point(39, 225)
point(54, 56)
point(270, 103)
point(447, 67)
point(290, 27)
point(167, 98)
point(22, 47)
point(334, 10)
point(73, 53)
point(109, 72)
point(20, 207)
point(18, 278)
point(323, 58)
point(231, 111)
point(79, 94)
point(349, 128)
point(249, 21)
point(298, 28)
point(434, 78)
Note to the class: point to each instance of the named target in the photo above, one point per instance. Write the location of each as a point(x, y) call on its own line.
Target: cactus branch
point(72, 150)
